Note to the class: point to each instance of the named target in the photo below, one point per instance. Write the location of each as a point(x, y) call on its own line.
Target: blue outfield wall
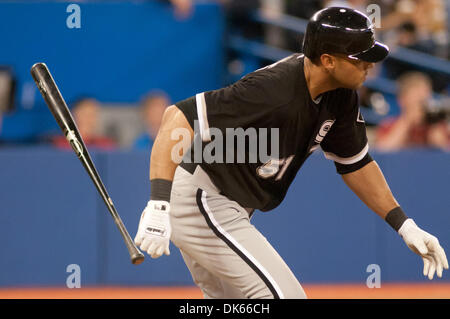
point(51, 216)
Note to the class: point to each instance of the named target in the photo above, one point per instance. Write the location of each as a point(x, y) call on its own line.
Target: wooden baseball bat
point(63, 117)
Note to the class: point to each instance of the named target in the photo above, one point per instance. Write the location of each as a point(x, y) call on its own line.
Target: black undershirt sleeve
point(189, 109)
point(345, 169)
point(347, 137)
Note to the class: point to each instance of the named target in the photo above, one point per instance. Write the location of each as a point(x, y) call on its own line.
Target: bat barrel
point(53, 97)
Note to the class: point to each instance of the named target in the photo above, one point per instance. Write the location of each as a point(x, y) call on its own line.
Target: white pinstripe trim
point(348, 160)
point(239, 246)
point(202, 117)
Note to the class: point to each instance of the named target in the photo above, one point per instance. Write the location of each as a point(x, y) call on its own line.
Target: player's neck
point(317, 79)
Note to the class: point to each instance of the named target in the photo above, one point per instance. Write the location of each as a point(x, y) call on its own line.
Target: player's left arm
point(346, 144)
point(369, 184)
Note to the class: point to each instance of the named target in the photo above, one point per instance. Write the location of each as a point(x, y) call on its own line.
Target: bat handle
point(137, 257)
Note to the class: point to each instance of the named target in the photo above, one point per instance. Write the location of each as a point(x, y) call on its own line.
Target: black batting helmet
point(342, 30)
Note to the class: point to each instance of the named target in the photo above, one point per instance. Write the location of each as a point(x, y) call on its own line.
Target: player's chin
point(354, 86)
point(359, 85)
point(354, 83)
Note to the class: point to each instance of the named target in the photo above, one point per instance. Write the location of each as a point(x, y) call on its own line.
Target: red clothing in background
point(417, 136)
point(103, 143)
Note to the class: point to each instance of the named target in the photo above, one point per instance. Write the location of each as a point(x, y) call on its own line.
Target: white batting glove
point(154, 229)
point(426, 246)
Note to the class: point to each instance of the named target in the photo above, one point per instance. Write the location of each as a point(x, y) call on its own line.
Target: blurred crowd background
point(405, 102)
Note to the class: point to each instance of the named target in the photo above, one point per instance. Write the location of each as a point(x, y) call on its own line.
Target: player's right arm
point(154, 229)
point(162, 165)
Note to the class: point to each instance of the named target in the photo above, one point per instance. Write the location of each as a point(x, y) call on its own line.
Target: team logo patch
point(326, 126)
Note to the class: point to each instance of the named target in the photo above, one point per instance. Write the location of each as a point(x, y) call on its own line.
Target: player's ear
point(328, 61)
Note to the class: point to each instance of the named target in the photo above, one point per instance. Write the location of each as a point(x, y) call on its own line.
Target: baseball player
point(204, 207)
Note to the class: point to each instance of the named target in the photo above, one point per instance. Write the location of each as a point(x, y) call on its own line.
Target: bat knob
point(137, 258)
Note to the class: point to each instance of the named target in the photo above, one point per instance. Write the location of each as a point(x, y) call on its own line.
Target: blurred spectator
point(183, 8)
point(359, 5)
point(152, 107)
point(86, 115)
point(425, 23)
point(430, 19)
point(411, 128)
point(407, 35)
point(7, 91)
point(236, 10)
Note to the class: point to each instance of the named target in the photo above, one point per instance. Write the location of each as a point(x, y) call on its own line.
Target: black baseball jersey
point(273, 104)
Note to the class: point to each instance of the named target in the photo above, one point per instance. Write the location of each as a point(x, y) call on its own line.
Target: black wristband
point(160, 189)
point(396, 218)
